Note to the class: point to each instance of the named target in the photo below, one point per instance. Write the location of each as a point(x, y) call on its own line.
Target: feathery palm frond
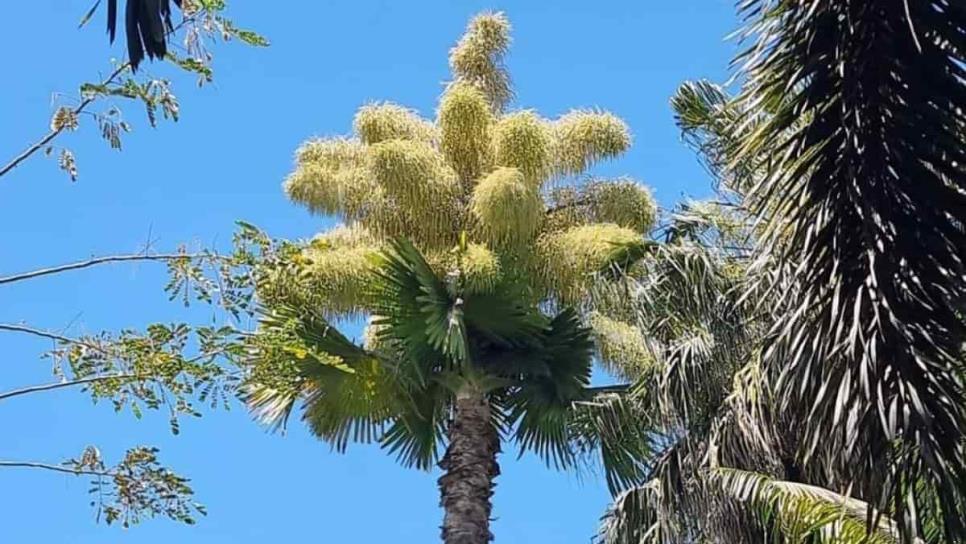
point(146, 24)
point(752, 507)
point(613, 424)
point(715, 125)
point(866, 188)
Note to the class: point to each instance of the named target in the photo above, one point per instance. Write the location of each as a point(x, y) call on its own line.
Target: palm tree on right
point(839, 413)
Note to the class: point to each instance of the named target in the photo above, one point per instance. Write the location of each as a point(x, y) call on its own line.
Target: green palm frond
point(542, 406)
point(745, 507)
point(613, 424)
point(504, 319)
point(297, 355)
point(803, 513)
point(866, 192)
point(417, 310)
point(715, 125)
point(419, 427)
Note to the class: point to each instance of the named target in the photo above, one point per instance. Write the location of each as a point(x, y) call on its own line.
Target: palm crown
point(467, 257)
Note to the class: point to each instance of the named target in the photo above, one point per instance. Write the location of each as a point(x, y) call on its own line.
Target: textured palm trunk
point(470, 468)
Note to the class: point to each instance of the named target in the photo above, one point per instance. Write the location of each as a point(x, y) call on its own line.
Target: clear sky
point(188, 182)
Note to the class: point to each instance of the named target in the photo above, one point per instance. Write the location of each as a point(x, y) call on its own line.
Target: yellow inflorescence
point(465, 122)
point(585, 137)
point(507, 208)
point(523, 140)
point(623, 202)
point(475, 170)
point(329, 177)
point(480, 268)
point(622, 347)
point(340, 267)
point(376, 123)
point(572, 256)
point(412, 173)
point(478, 58)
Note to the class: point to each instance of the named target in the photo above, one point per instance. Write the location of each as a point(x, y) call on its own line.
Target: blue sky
point(188, 182)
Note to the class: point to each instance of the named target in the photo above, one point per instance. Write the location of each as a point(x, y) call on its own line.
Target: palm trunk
point(470, 469)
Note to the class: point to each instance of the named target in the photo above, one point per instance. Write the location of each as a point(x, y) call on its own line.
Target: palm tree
point(704, 305)
point(863, 188)
point(466, 242)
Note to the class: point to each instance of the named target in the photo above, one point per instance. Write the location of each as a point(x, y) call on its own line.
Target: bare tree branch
point(96, 261)
point(78, 110)
point(49, 335)
point(55, 468)
point(56, 132)
point(61, 385)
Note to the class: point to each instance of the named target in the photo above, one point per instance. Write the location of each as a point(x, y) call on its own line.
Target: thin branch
point(568, 205)
point(49, 335)
point(61, 385)
point(96, 261)
point(77, 111)
point(55, 468)
point(56, 132)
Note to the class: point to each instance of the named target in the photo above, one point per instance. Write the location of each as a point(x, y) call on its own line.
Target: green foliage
point(136, 488)
point(856, 116)
point(429, 337)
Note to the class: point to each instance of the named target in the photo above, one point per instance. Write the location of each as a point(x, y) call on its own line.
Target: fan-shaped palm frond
point(301, 356)
point(542, 407)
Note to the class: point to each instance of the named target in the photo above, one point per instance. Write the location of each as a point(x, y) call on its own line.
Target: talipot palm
point(465, 241)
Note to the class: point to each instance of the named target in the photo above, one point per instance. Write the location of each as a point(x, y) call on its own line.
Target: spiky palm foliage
point(457, 246)
point(146, 25)
point(863, 185)
point(707, 302)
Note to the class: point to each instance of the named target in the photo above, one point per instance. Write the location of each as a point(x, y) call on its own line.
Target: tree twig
point(56, 132)
point(55, 468)
point(47, 334)
point(96, 261)
point(78, 110)
point(61, 385)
